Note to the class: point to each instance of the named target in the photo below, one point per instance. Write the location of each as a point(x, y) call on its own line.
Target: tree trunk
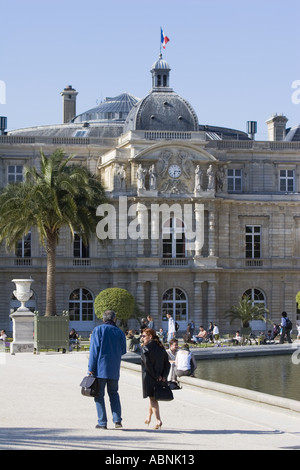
point(51, 275)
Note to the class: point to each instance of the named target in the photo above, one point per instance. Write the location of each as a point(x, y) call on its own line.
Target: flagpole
point(160, 41)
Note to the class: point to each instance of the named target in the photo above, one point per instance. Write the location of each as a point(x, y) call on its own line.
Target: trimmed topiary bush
point(116, 299)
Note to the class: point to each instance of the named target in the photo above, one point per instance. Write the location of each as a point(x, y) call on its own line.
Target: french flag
point(164, 39)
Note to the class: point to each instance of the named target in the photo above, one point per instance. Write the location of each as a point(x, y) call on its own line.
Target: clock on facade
point(174, 171)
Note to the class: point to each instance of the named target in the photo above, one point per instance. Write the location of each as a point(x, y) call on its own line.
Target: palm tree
point(246, 311)
point(55, 196)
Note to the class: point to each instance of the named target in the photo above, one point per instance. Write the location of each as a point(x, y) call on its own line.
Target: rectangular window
point(80, 250)
point(174, 242)
point(14, 173)
point(234, 180)
point(253, 241)
point(286, 178)
point(23, 247)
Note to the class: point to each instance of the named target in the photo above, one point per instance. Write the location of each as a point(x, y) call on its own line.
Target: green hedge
point(116, 299)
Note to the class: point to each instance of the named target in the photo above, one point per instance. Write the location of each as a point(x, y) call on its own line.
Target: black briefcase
point(90, 386)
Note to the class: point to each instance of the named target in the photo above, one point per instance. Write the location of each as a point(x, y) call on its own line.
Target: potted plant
point(246, 311)
point(51, 332)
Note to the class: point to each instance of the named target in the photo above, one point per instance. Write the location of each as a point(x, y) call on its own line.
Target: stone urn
point(23, 293)
point(23, 318)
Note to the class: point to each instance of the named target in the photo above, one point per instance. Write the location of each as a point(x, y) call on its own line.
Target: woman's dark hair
point(152, 333)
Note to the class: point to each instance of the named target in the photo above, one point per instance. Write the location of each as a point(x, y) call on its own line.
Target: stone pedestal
point(23, 326)
point(147, 193)
point(209, 193)
point(23, 319)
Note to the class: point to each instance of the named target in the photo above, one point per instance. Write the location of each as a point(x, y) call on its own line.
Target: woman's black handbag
point(162, 392)
point(90, 386)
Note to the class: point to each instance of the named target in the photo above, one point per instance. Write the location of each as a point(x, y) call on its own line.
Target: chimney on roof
point(3, 125)
point(251, 129)
point(276, 127)
point(69, 95)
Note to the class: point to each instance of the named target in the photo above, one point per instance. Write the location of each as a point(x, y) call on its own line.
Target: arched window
point(174, 244)
point(258, 297)
point(175, 302)
point(81, 306)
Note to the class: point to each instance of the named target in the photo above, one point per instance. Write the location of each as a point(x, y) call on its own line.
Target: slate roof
point(293, 134)
point(162, 111)
point(223, 133)
point(119, 104)
point(102, 130)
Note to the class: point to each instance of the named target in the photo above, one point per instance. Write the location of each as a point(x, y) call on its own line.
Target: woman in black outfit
point(155, 368)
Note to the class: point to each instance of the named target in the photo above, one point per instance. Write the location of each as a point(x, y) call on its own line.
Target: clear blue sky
point(233, 60)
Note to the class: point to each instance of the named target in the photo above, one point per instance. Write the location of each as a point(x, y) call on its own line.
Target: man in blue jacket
point(108, 344)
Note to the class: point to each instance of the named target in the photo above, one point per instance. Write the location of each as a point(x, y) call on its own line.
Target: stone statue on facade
point(211, 179)
point(221, 178)
point(141, 174)
point(198, 179)
point(121, 176)
point(152, 178)
point(163, 163)
point(186, 163)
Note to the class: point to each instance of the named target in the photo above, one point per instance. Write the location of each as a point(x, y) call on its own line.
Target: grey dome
point(161, 111)
point(160, 64)
point(116, 108)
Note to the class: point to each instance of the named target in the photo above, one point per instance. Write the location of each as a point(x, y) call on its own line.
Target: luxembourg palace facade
point(153, 151)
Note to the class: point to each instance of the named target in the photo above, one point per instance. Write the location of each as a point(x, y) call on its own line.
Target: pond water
point(275, 375)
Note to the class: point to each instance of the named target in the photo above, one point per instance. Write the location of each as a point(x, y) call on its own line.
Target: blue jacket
point(108, 344)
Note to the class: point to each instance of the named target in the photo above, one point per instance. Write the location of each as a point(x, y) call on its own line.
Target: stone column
point(155, 230)
point(154, 304)
point(211, 233)
point(198, 307)
point(140, 293)
point(199, 221)
point(211, 302)
point(143, 223)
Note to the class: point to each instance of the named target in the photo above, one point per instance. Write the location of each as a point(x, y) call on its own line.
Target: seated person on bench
point(201, 336)
point(185, 363)
point(238, 338)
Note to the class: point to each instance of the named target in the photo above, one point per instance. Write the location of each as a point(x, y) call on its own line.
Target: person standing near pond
point(172, 353)
point(150, 322)
point(285, 330)
point(155, 368)
point(108, 344)
point(171, 327)
point(192, 328)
